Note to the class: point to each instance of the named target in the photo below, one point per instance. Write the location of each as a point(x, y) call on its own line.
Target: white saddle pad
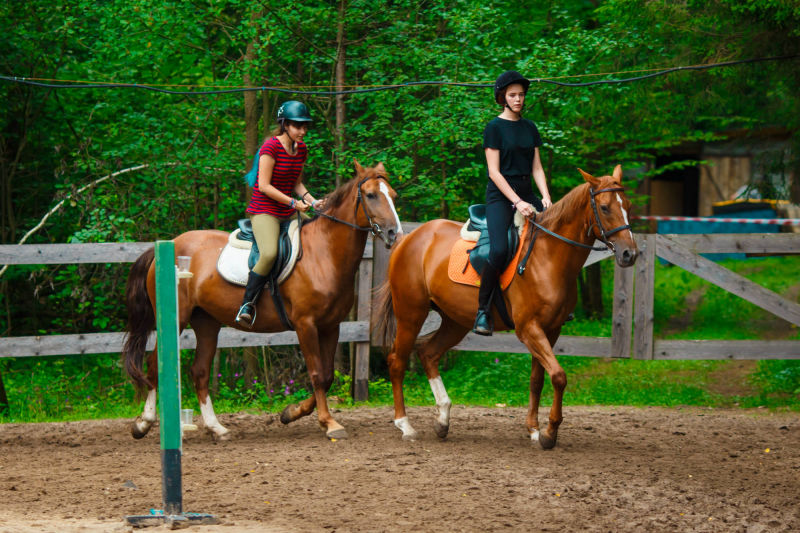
point(232, 262)
point(473, 236)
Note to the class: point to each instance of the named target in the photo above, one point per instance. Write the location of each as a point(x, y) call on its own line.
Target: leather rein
point(373, 228)
point(604, 235)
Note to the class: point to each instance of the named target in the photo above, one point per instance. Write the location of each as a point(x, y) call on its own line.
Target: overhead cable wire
point(361, 89)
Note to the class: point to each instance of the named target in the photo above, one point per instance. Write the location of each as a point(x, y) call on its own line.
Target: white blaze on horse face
point(442, 400)
point(624, 214)
point(385, 190)
point(210, 419)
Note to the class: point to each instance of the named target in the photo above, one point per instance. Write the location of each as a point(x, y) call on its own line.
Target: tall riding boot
point(247, 312)
point(489, 283)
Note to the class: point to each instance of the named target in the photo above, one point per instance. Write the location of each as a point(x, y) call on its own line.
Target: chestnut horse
point(317, 295)
point(539, 300)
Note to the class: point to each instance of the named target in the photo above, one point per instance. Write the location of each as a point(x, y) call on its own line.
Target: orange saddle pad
point(460, 270)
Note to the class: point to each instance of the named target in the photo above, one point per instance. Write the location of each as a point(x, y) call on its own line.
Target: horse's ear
point(379, 168)
point(617, 175)
point(359, 168)
point(588, 177)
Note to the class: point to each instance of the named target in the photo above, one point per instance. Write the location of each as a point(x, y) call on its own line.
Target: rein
point(373, 228)
point(604, 234)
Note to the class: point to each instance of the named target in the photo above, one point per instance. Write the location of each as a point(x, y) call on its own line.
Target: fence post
point(644, 297)
point(622, 321)
point(363, 313)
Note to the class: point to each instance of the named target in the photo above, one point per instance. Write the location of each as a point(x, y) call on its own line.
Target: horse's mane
point(343, 191)
point(567, 207)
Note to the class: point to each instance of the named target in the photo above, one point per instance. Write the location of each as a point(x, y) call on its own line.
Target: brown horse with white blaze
point(539, 300)
point(317, 295)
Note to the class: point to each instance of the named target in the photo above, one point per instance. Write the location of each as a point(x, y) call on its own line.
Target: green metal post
point(169, 377)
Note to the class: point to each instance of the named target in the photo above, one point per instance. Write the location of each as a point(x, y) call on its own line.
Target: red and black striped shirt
point(285, 173)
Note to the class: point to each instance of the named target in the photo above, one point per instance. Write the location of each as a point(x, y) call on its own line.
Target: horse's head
point(376, 198)
point(609, 217)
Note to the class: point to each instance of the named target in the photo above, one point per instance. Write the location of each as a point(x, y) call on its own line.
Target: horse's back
point(430, 242)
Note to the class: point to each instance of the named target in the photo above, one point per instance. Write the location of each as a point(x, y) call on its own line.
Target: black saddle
point(284, 247)
point(479, 255)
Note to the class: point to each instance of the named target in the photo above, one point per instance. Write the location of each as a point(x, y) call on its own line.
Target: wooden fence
point(632, 313)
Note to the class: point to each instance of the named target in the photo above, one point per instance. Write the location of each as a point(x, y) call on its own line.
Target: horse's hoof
point(136, 432)
point(337, 434)
point(411, 436)
point(286, 415)
point(441, 429)
point(546, 441)
point(225, 437)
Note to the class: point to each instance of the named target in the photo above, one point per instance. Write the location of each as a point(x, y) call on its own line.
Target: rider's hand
point(525, 209)
point(302, 206)
point(546, 202)
point(318, 204)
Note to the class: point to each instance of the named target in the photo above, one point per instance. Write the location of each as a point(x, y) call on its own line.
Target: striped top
point(284, 178)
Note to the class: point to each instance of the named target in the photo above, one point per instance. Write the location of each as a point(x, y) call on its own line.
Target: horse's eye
point(371, 195)
point(605, 209)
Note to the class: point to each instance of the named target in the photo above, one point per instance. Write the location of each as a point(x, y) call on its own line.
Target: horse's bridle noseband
point(604, 235)
point(373, 228)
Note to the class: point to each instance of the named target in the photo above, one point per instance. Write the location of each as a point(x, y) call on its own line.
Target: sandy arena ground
point(613, 469)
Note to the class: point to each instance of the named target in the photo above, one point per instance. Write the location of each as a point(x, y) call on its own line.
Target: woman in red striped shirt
point(280, 173)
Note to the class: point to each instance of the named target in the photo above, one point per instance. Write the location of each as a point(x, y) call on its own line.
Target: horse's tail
point(385, 325)
point(141, 320)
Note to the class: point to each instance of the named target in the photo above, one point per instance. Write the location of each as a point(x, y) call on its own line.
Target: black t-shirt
point(516, 140)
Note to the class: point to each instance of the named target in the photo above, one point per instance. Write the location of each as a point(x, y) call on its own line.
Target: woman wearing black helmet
point(280, 173)
point(511, 144)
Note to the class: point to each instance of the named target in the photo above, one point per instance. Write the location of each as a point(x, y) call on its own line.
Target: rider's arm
point(541, 180)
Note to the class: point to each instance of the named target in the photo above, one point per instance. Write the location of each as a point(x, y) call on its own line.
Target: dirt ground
point(613, 469)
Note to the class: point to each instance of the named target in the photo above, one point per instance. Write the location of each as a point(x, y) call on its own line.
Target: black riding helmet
point(294, 111)
point(504, 80)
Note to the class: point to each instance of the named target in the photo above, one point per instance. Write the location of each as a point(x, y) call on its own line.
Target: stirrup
point(243, 316)
point(483, 327)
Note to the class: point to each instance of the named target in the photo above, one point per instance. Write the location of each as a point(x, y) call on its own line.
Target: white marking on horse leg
point(535, 435)
point(624, 214)
point(442, 400)
point(149, 414)
point(210, 419)
point(409, 433)
point(385, 190)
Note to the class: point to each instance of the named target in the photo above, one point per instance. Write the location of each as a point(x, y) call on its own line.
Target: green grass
point(686, 307)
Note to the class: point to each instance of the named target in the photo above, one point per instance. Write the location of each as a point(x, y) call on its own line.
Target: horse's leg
point(327, 345)
point(141, 426)
point(206, 330)
point(537, 381)
point(430, 353)
point(311, 345)
point(397, 361)
point(537, 342)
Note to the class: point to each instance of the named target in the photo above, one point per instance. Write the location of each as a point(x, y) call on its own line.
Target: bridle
point(604, 235)
point(373, 228)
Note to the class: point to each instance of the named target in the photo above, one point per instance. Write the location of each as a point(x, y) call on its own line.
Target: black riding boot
point(247, 312)
point(489, 282)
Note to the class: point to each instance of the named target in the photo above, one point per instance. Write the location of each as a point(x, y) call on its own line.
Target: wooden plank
point(730, 281)
point(751, 243)
point(509, 343)
point(52, 254)
point(622, 312)
point(363, 308)
point(644, 297)
point(95, 343)
point(698, 349)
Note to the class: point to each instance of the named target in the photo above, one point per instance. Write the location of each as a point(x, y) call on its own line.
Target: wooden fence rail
point(632, 314)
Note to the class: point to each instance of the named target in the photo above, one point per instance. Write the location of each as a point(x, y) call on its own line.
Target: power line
point(295, 90)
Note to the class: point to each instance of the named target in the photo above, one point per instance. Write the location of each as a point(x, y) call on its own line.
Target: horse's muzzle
point(626, 256)
point(390, 236)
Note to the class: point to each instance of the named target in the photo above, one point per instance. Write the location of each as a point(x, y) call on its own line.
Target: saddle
point(476, 229)
point(241, 253)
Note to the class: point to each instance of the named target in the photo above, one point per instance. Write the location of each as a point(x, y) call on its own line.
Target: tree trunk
point(3, 397)
point(340, 78)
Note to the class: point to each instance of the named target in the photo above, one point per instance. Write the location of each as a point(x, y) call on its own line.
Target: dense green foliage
point(192, 149)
